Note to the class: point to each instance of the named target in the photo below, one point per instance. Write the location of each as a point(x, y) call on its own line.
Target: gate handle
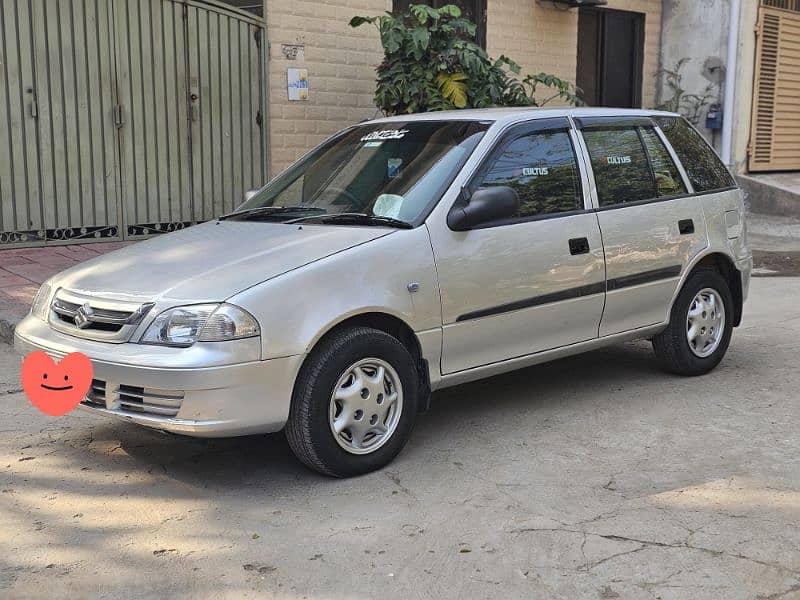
point(119, 116)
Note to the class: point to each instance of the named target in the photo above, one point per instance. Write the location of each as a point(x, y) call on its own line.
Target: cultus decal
point(619, 160)
point(528, 171)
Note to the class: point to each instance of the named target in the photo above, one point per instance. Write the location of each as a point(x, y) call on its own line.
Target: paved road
point(593, 477)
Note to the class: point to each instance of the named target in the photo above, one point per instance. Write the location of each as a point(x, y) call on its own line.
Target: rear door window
point(704, 168)
point(621, 169)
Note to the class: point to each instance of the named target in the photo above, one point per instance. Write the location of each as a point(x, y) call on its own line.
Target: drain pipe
point(730, 82)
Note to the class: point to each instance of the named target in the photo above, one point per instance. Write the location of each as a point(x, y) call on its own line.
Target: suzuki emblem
point(83, 316)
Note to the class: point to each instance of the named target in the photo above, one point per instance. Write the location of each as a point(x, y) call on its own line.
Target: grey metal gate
point(227, 91)
point(126, 118)
point(58, 179)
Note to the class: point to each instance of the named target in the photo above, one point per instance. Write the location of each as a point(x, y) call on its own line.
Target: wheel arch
point(391, 325)
point(725, 266)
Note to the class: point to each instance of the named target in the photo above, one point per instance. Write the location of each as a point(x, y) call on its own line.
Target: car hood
point(210, 262)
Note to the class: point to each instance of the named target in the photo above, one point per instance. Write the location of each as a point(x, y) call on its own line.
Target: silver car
point(405, 255)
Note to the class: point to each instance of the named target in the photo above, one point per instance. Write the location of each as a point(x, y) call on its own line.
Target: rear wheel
point(354, 403)
point(700, 326)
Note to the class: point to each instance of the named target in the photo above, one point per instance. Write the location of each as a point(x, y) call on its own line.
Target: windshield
point(394, 171)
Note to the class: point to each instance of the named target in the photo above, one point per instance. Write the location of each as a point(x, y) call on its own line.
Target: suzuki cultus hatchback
point(405, 255)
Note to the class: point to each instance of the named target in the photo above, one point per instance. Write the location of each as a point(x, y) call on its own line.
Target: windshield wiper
point(356, 219)
point(270, 211)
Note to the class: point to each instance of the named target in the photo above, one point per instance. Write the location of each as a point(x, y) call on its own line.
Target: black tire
point(308, 429)
point(671, 346)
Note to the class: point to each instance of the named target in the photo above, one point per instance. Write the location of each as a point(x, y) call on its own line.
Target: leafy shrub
point(432, 63)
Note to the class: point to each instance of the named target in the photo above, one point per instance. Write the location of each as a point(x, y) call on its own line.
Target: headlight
point(185, 325)
point(41, 302)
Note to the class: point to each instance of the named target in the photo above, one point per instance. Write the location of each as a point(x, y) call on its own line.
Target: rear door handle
point(579, 246)
point(686, 226)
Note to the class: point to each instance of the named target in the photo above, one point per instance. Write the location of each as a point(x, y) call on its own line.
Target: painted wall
point(697, 30)
point(745, 74)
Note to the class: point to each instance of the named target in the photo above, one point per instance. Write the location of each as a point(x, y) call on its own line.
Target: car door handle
point(686, 226)
point(579, 246)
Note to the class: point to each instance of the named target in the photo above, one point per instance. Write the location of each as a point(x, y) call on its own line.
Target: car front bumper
point(219, 400)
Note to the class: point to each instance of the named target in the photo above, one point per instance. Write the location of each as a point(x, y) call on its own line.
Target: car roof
point(510, 115)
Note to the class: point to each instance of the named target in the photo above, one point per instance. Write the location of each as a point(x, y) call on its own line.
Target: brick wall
point(543, 38)
point(341, 63)
point(539, 37)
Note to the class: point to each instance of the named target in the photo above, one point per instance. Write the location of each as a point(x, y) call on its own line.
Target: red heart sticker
point(55, 389)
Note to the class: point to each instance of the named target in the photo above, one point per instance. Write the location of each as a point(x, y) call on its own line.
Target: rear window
point(704, 168)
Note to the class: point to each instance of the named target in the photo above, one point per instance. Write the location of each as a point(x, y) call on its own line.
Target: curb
point(769, 199)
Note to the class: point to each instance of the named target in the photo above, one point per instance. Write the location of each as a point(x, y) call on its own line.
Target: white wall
point(698, 30)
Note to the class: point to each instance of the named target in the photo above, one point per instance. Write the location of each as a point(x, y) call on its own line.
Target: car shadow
point(266, 460)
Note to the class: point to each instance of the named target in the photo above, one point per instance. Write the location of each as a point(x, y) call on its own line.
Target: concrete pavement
point(593, 477)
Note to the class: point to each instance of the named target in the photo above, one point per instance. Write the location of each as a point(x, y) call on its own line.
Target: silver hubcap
point(366, 406)
point(705, 323)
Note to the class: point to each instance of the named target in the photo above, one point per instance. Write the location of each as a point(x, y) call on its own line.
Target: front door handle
point(686, 226)
point(579, 246)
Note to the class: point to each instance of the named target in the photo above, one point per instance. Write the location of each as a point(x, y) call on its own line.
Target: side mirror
point(250, 194)
point(485, 205)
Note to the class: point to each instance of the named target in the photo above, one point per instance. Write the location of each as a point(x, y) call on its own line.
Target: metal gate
point(126, 118)
point(775, 129)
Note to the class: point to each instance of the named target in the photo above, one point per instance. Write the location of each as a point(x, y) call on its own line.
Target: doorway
point(610, 57)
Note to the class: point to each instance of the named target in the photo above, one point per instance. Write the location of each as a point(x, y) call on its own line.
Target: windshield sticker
point(385, 134)
point(388, 205)
point(530, 171)
point(373, 144)
point(619, 160)
point(393, 167)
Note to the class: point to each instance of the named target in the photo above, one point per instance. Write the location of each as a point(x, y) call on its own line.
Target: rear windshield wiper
point(270, 211)
point(356, 219)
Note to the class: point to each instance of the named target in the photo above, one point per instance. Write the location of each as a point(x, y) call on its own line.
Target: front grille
point(164, 403)
point(95, 318)
point(102, 320)
point(96, 326)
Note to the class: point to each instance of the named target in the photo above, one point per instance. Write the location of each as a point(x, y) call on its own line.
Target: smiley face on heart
point(56, 389)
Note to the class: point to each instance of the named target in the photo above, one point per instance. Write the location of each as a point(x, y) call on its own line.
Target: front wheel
point(700, 326)
point(354, 403)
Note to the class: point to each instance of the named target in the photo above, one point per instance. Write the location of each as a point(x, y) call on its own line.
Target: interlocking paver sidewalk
point(22, 270)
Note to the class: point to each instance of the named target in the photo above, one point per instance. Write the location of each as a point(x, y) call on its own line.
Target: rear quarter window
point(702, 165)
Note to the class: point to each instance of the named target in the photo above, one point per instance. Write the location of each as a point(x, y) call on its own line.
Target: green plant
point(689, 105)
point(432, 63)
